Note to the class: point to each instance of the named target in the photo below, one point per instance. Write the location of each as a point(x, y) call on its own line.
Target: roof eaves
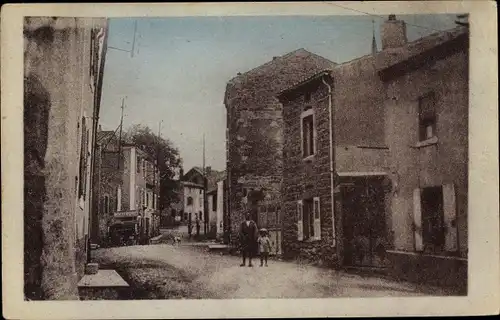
point(303, 81)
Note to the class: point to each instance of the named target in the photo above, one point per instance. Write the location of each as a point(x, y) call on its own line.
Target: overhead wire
point(381, 17)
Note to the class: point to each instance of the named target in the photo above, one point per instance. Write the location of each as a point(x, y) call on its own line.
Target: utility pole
point(120, 135)
point(157, 168)
point(133, 43)
point(205, 198)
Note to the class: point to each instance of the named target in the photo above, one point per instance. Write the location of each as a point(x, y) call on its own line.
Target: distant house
point(254, 135)
point(216, 197)
point(126, 183)
point(375, 159)
point(192, 184)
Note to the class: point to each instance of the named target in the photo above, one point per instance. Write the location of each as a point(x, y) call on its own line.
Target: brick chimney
point(393, 33)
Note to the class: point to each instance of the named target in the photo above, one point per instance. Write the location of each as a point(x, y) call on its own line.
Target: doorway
point(364, 222)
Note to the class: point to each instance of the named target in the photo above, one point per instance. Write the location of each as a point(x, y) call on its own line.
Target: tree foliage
point(167, 155)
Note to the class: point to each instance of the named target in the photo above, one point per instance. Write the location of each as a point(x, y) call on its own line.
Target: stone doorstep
point(103, 279)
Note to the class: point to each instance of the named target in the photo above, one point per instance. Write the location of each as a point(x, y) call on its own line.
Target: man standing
point(248, 239)
point(197, 228)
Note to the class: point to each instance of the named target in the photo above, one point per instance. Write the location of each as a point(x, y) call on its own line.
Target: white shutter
point(317, 219)
point(300, 225)
point(450, 216)
point(417, 220)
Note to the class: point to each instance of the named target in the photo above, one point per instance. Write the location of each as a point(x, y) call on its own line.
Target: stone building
point(127, 185)
point(254, 135)
point(355, 137)
point(63, 71)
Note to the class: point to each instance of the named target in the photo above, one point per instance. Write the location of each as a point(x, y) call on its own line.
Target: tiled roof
point(389, 57)
point(305, 80)
point(259, 84)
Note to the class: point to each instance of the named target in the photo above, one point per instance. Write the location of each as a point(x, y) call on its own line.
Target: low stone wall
point(443, 271)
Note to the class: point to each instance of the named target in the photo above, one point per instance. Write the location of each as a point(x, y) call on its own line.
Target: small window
point(189, 201)
point(427, 117)
point(214, 202)
point(106, 204)
point(308, 135)
point(307, 97)
point(138, 165)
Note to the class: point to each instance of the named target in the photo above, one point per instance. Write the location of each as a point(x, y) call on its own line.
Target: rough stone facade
point(60, 95)
point(254, 131)
point(375, 105)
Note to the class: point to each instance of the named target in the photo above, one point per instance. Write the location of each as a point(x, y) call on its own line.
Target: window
point(214, 202)
point(307, 97)
point(308, 133)
point(143, 167)
point(106, 204)
point(138, 162)
point(427, 117)
point(119, 199)
point(189, 201)
point(309, 219)
point(435, 219)
point(147, 199)
point(82, 181)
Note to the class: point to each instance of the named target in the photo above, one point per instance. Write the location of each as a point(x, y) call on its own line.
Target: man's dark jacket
point(248, 236)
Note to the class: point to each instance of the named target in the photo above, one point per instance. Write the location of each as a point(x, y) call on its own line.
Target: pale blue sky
point(181, 66)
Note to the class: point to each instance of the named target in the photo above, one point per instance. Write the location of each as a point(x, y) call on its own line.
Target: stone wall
point(307, 178)
point(57, 61)
point(255, 130)
point(357, 100)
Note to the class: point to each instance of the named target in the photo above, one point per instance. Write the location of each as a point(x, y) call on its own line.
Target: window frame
point(309, 112)
point(427, 116)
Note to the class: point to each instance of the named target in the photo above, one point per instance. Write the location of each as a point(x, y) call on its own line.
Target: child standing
point(264, 246)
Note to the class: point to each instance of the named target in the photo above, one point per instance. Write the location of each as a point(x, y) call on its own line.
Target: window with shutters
point(432, 219)
point(427, 117)
point(308, 219)
point(435, 225)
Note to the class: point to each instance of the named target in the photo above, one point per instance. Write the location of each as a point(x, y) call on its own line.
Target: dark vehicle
point(124, 233)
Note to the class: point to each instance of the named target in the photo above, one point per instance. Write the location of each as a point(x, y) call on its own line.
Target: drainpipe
point(332, 156)
point(97, 104)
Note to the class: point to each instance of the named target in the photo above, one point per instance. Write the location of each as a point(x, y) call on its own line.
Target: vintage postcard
point(249, 160)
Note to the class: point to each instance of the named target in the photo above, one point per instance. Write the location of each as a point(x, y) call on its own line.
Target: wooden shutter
point(450, 216)
point(317, 219)
point(300, 224)
point(417, 220)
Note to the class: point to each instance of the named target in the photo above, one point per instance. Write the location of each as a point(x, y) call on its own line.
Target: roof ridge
point(286, 55)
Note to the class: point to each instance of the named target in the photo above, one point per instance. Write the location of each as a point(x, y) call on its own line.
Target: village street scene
point(245, 157)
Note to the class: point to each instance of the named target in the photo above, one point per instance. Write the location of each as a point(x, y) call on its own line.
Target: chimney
point(274, 58)
point(181, 173)
point(393, 33)
point(208, 170)
point(100, 128)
